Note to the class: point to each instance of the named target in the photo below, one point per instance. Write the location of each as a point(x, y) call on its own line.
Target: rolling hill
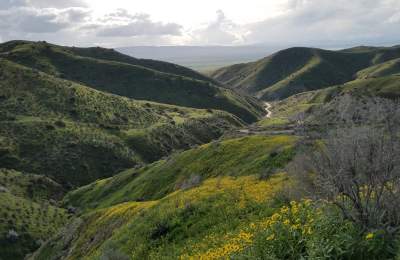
point(297, 70)
point(165, 205)
point(76, 134)
point(109, 71)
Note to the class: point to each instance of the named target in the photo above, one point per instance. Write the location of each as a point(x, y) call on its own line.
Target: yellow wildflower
point(271, 237)
point(369, 236)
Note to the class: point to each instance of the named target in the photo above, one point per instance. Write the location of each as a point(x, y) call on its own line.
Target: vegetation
point(108, 177)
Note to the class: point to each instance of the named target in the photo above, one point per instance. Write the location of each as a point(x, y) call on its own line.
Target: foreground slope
point(76, 134)
point(297, 70)
point(112, 72)
point(176, 204)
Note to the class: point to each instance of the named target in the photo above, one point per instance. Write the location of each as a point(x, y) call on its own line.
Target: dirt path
point(267, 109)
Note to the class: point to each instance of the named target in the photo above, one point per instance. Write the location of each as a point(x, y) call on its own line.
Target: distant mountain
point(200, 58)
point(112, 72)
point(297, 70)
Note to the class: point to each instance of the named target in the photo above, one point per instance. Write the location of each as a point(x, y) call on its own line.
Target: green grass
point(109, 71)
point(297, 70)
point(388, 68)
point(255, 155)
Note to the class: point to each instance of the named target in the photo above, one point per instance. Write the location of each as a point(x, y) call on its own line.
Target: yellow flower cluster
point(246, 189)
point(123, 211)
point(296, 219)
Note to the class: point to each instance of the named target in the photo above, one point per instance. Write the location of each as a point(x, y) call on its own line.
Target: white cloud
point(219, 32)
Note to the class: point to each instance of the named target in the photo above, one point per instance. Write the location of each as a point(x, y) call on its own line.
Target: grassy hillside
point(237, 208)
point(76, 134)
point(27, 218)
point(177, 203)
point(37, 188)
point(255, 155)
point(109, 71)
point(391, 67)
point(297, 70)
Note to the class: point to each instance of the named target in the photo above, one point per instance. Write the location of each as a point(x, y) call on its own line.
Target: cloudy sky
point(117, 23)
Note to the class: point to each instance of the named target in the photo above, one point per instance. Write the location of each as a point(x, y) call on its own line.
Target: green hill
point(391, 67)
point(109, 71)
point(297, 70)
point(177, 203)
point(27, 218)
point(76, 134)
point(255, 155)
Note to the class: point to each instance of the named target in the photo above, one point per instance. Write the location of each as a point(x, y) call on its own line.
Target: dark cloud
point(6, 4)
point(39, 23)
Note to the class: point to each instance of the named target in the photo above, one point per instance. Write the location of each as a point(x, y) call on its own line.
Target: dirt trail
point(267, 109)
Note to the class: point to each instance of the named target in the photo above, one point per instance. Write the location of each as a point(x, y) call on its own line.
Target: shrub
point(12, 235)
point(193, 181)
point(310, 230)
point(111, 253)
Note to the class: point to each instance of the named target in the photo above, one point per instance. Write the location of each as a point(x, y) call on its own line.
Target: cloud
point(6, 4)
point(123, 24)
point(300, 22)
point(316, 22)
point(28, 20)
point(219, 32)
point(56, 3)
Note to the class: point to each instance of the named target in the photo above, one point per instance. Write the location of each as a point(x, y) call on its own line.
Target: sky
point(119, 23)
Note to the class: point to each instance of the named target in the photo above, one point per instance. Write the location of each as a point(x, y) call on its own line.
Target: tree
point(357, 167)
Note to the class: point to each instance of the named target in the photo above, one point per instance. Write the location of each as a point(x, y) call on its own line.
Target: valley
point(106, 156)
